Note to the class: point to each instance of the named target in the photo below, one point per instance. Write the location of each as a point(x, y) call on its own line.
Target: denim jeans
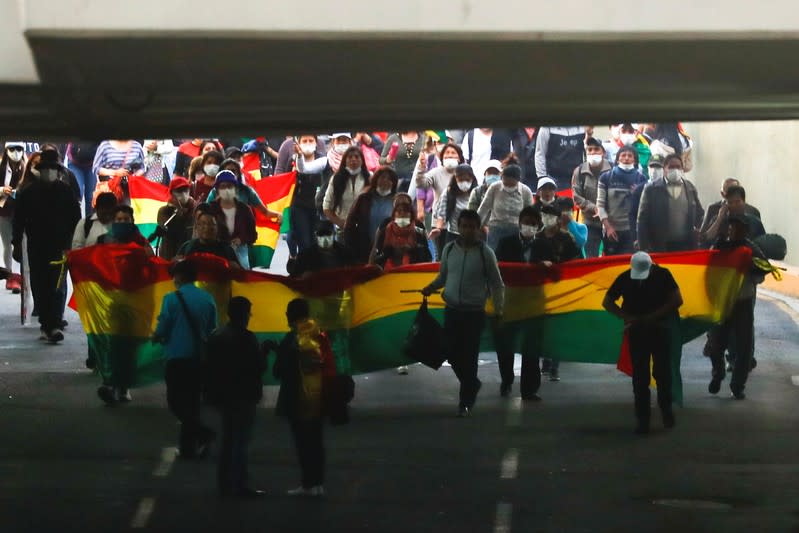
point(237, 424)
point(303, 227)
point(87, 181)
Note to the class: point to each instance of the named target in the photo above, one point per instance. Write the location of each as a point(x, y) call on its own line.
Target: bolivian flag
point(146, 198)
point(276, 193)
point(118, 292)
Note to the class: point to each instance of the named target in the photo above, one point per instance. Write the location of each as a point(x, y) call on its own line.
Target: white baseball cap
point(640, 265)
point(341, 134)
point(494, 164)
point(546, 181)
point(15, 144)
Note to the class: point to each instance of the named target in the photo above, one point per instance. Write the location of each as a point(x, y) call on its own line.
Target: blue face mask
point(492, 178)
point(123, 231)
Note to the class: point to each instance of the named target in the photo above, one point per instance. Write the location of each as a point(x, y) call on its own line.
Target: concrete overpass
point(170, 68)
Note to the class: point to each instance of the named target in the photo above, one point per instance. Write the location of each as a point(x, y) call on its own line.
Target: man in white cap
point(650, 300)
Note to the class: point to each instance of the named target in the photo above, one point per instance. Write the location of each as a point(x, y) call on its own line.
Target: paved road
point(406, 463)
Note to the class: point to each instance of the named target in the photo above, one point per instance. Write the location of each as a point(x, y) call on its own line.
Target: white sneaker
point(317, 491)
point(124, 396)
point(402, 370)
point(299, 491)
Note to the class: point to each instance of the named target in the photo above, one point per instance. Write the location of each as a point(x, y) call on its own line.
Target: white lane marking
point(143, 513)
point(168, 456)
point(510, 464)
point(514, 414)
point(795, 380)
point(502, 520)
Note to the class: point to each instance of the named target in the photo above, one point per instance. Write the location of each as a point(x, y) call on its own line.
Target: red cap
point(179, 183)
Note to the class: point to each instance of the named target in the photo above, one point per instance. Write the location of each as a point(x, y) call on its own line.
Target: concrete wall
point(763, 155)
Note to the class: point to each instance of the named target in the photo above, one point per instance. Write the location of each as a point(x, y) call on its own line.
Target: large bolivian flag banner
point(118, 292)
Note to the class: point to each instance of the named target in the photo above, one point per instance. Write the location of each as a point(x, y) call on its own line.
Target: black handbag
point(424, 342)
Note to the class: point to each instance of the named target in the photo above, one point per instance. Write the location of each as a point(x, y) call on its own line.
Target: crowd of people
point(468, 199)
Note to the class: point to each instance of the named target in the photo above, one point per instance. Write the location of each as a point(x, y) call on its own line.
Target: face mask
point(402, 222)
point(308, 149)
point(324, 241)
point(626, 166)
point(354, 171)
point(227, 194)
point(381, 191)
point(510, 189)
point(123, 231)
point(628, 138)
point(464, 185)
point(16, 156)
point(674, 175)
point(595, 160)
point(549, 220)
point(181, 197)
point(492, 178)
point(211, 170)
point(655, 173)
point(527, 232)
point(547, 202)
point(49, 174)
point(450, 163)
point(341, 148)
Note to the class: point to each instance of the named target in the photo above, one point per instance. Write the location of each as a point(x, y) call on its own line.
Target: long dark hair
point(17, 169)
point(453, 191)
point(379, 173)
point(339, 180)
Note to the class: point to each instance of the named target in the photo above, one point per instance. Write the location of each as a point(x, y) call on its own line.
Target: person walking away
point(235, 368)
point(187, 318)
point(12, 169)
point(650, 303)
point(585, 186)
point(304, 363)
point(468, 273)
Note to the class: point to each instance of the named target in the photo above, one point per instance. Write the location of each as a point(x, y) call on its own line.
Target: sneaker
point(42, 334)
point(715, 385)
point(668, 420)
point(55, 336)
point(729, 367)
point(553, 376)
point(317, 491)
point(91, 364)
point(13, 284)
point(738, 395)
point(64, 324)
point(402, 370)
point(106, 394)
point(531, 398)
point(463, 411)
point(299, 491)
point(123, 396)
point(504, 389)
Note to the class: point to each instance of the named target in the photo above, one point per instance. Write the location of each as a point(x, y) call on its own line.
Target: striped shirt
point(109, 157)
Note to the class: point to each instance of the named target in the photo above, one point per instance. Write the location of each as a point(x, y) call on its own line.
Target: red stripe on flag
point(272, 189)
point(142, 188)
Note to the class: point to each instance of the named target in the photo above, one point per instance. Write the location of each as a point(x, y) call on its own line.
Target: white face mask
point(595, 159)
point(464, 185)
point(402, 222)
point(674, 175)
point(211, 170)
point(628, 138)
point(544, 201)
point(341, 148)
point(655, 173)
point(16, 156)
point(181, 197)
point(527, 232)
point(49, 174)
point(308, 148)
point(510, 189)
point(450, 163)
point(354, 171)
point(227, 194)
point(324, 241)
point(549, 220)
point(383, 191)
point(626, 166)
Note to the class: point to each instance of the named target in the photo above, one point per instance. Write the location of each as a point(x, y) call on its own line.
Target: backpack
point(87, 227)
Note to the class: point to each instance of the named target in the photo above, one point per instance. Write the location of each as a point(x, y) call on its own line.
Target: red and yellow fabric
point(146, 198)
point(276, 192)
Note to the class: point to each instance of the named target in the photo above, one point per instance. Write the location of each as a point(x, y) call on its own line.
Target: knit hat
point(225, 176)
point(179, 183)
point(513, 172)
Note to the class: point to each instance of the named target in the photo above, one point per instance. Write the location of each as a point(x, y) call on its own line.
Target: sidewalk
point(789, 286)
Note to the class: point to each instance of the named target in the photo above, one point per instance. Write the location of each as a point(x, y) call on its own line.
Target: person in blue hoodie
point(614, 202)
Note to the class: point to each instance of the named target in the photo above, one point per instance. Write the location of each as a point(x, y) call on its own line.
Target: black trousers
point(650, 342)
point(622, 246)
point(183, 396)
point(308, 440)
point(237, 424)
point(593, 242)
point(740, 325)
point(47, 300)
point(531, 356)
point(463, 329)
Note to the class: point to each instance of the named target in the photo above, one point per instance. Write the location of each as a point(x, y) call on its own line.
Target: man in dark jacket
point(670, 214)
point(715, 224)
point(47, 211)
point(234, 385)
point(524, 148)
point(325, 255)
point(585, 186)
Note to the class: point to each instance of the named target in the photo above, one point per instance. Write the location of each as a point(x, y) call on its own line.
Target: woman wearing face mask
point(237, 222)
point(345, 186)
point(371, 208)
point(304, 216)
point(493, 174)
point(205, 178)
point(402, 153)
point(12, 169)
point(124, 231)
point(244, 193)
point(502, 204)
point(454, 200)
point(113, 161)
point(403, 242)
point(175, 219)
point(439, 178)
